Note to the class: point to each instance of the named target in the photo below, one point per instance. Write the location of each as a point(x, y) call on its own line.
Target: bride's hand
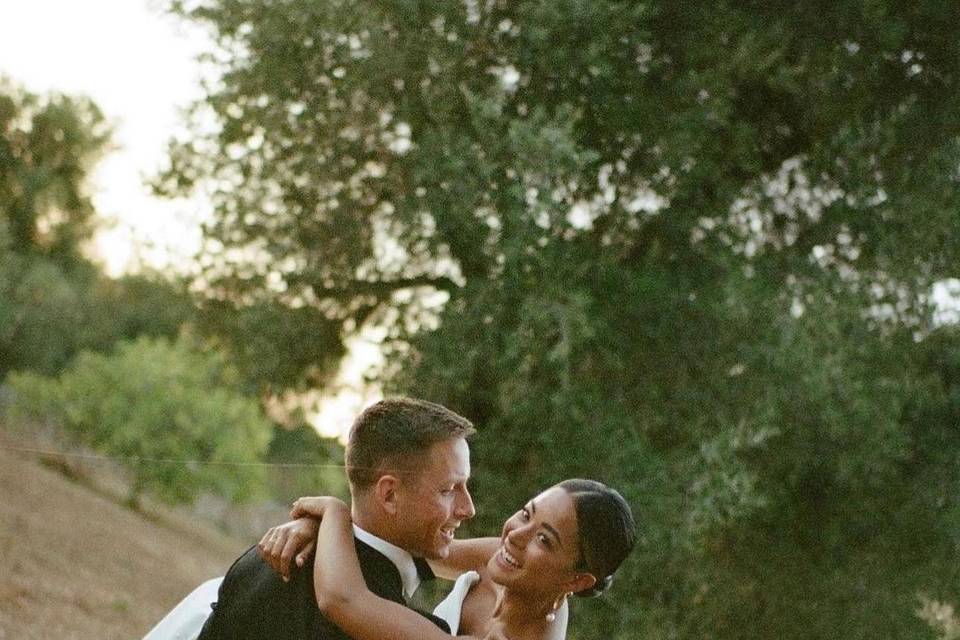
point(292, 541)
point(314, 507)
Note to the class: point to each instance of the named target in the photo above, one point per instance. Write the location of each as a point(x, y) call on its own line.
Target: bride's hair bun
point(605, 528)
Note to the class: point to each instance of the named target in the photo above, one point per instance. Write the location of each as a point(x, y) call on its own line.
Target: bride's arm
point(283, 543)
point(470, 554)
point(342, 594)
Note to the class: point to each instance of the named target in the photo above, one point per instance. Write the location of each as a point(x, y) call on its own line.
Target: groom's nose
point(464, 507)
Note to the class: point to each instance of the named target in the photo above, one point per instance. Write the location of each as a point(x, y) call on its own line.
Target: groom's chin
point(440, 547)
point(440, 550)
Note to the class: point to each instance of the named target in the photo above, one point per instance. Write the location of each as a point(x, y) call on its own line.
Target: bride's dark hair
point(605, 528)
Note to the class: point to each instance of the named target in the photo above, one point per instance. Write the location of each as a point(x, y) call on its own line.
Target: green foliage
point(133, 306)
point(687, 249)
point(48, 313)
point(42, 309)
point(305, 464)
point(274, 347)
point(47, 148)
point(172, 414)
point(53, 301)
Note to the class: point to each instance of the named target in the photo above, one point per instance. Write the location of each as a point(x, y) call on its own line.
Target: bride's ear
point(581, 582)
point(385, 493)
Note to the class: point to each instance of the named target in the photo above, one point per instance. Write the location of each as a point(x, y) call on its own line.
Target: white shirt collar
point(400, 558)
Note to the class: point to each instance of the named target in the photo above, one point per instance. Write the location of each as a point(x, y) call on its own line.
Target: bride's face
point(539, 546)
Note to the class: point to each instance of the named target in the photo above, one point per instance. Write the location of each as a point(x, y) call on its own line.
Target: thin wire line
point(92, 456)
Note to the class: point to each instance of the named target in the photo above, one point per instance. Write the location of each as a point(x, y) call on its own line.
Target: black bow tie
point(424, 572)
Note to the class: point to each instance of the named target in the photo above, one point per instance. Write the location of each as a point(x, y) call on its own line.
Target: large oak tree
point(685, 247)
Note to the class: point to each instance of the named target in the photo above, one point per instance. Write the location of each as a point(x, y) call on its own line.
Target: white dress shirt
point(401, 559)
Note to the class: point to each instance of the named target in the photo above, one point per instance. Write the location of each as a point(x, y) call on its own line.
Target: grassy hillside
point(75, 564)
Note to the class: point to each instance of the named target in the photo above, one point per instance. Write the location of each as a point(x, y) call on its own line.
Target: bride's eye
point(525, 514)
point(545, 541)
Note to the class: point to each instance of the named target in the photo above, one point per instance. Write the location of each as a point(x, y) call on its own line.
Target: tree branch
point(377, 288)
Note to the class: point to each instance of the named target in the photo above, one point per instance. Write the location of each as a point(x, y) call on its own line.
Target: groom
point(408, 464)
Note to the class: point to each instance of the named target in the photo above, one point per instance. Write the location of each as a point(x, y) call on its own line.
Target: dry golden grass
point(75, 564)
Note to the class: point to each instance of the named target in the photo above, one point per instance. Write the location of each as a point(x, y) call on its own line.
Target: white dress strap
point(449, 608)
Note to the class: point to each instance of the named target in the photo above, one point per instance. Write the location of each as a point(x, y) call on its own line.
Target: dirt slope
point(74, 564)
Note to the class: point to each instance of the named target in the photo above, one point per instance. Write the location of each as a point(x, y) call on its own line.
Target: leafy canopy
point(685, 248)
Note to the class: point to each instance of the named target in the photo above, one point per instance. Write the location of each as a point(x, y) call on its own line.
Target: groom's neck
point(371, 521)
point(364, 519)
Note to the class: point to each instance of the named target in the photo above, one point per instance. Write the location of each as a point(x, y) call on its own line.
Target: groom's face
point(432, 502)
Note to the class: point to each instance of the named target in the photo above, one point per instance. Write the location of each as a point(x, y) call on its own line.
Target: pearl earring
point(556, 605)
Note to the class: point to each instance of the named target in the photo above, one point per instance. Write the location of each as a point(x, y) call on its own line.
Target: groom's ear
point(385, 493)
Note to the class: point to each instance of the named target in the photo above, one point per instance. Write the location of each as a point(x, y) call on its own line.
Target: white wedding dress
point(449, 608)
point(185, 620)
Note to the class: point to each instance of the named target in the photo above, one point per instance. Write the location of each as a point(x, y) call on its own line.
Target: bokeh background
point(705, 252)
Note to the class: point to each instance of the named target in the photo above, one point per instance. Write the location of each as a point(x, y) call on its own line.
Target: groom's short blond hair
point(390, 436)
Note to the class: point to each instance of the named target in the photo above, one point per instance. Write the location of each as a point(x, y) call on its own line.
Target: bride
point(568, 540)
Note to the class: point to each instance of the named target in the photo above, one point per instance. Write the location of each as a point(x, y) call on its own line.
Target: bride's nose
point(519, 536)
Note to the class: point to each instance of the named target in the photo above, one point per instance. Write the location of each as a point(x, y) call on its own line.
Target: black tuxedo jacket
point(254, 603)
